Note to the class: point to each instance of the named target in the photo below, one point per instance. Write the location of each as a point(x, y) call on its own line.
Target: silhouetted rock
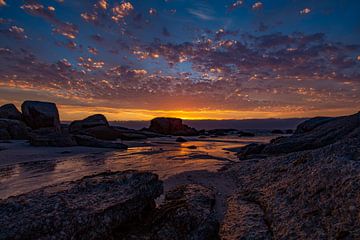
point(102, 132)
point(246, 134)
point(180, 139)
point(187, 213)
point(9, 111)
point(323, 134)
point(13, 129)
point(244, 219)
point(89, 122)
point(312, 123)
point(88, 141)
point(222, 132)
point(89, 208)
point(277, 131)
point(41, 115)
point(171, 126)
point(289, 131)
point(47, 137)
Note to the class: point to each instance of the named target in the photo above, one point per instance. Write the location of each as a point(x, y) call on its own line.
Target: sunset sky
point(135, 60)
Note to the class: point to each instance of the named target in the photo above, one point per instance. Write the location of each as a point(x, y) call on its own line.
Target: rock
point(4, 134)
point(41, 115)
point(180, 139)
point(324, 134)
point(244, 220)
point(277, 131)
point(171, 126)
point(48, 137)
point(9, 111)
point(102, 132)
point(246, 134)
point(192, 147)
point(187, 213)
point(16, 130)
point(311, 194)
point(89, 208)
point(312, 123)
point(289, 131)
point(89, 122)
point(89, 141)
point(223, 132)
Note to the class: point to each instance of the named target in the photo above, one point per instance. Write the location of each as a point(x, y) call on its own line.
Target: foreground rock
point(323, 133)
point(41, 115)
point(244, 219)
point(311, 194)
point(187, 213)
point(13, 130)
point(88, 141)
point(9, 111)
point(90, 208)
point(171, 126)
point(47, 137)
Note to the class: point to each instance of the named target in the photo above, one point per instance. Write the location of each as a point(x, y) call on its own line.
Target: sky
point(139, 59)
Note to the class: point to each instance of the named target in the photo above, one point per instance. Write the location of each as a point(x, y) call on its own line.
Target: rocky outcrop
point(88, 141)
point(312, 123)
point(13, 129)
point(244, 219)
point(41, 115)
point(312, 194)
point(9, 111)
point(323, 134)
point(89, 122)
point(89, 208)
point(171, 126)
point(187, 213)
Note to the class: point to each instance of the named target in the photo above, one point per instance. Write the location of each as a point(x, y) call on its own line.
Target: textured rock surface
point(9, 111)
point(89, 208)
point(323, 134)
point(14, 129)
point(89, 122)
point(313, 194)
point(244, 219)
point(50, 138)
point(88, 141)
point(171, 126)
point(187, 213)
point(312, 123)
point(41, 115)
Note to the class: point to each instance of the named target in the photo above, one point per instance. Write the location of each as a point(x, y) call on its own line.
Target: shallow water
point(166, 158)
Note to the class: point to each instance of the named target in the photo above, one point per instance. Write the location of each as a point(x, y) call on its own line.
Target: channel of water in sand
point(45, 166)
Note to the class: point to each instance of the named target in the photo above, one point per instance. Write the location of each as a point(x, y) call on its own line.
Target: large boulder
point(41, 115)
point(89, 122)
point(89, 208)
point(13, 129)
point(88, 141)
point(323, 134)
point(171, 126)
point(9, 111)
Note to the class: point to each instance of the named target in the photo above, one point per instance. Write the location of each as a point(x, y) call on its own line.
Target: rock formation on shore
point(171, 126)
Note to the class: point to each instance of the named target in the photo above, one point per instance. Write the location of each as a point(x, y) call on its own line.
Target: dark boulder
point(277, 131)
point(289, 131)
point(16, 130)
point(246, 134)
point(9, 111)
point(47, 137)
point(171, 126)
point(89, 122)
point(180, 139)
point(88, 141)
point(41, 115)
point(89, 208)
point(102, 132)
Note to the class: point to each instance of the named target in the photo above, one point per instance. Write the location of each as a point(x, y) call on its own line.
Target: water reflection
point(162, 158)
